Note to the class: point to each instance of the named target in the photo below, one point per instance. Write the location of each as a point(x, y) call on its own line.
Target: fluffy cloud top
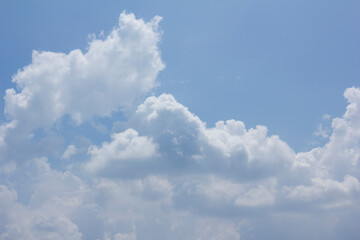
point(110, 75)
point(341, 155)
point(126, 146)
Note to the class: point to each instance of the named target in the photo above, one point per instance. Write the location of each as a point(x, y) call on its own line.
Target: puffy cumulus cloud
point(166, 174)
point(172, 126)
point(321, 187)
point(340, 157)
point(51, 186)
point(25, 224)
point(212, 194)
point(169, 176)
point(245, 153)
point(54, 195)
point(109, 76)
point(125, 148)
point(185, 141)
point(342, 154)
point(155, 187)
point(228, 171)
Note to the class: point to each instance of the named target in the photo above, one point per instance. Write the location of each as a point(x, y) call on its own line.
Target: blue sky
point(179, 120)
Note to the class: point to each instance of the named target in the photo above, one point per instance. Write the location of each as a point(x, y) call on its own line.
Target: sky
point(179, 120)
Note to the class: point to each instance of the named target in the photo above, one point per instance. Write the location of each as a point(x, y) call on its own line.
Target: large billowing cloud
point(163, 174)
point(109, 76)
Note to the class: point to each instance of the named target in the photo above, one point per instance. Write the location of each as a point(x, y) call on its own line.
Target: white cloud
point(25, 224)
point(109, 76)
point(321, 187)
point(250, 150)
point(7, 196)
point(3, 131)
point(224, 192)
point(171, 176)
point(155, 187)
point(8, 168)
point(184, 140)
point(250, 170)
point(326, 117)
point(258, 196)
point(70, 150)
point(126, 146)
point(322, 132)
point(55, 196)
point(122, 236)
point(166, 174)
point(214, 229)
point(341, 155)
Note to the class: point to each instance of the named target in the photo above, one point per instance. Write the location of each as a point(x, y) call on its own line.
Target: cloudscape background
point(182, 120)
